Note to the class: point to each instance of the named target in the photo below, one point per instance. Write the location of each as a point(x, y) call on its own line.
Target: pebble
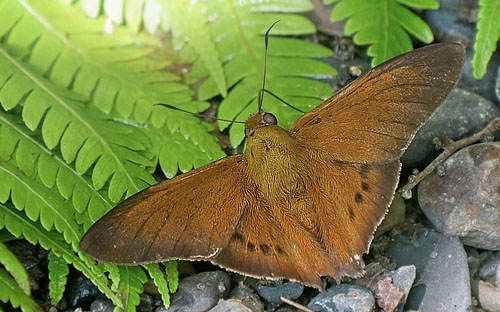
point(199, 292)
point(497, 85)
point(466, 200)
point(80, 291)
point(442, 282)
point(403, 279)
point(488, 295)
point(102, 305)
point(290, 290)
point(230, 305)
point(343, 298)
point(248, 297)
point(462, 114)
point(489, 268)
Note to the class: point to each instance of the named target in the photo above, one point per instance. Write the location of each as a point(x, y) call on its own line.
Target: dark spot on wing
point(251, 247)
point(238, 237)
point(279, 250)
point(266, 250)
point(365, 186)
point(358, 198)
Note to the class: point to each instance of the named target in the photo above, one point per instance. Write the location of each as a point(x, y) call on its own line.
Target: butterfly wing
point(354, 141)
point(191, 216)
point(373, 119)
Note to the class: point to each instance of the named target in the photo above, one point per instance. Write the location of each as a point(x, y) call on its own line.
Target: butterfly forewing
point(373, 119)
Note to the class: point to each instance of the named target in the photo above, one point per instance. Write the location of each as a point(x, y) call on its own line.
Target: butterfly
point(298, 204)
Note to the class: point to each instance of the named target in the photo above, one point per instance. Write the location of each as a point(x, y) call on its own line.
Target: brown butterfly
point(298, 204)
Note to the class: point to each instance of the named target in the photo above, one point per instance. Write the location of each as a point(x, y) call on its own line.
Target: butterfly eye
point(270, 119)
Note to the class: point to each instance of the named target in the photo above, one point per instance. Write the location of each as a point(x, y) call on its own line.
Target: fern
point(78, 126)
point(11, 292)
point(230, 33)
point(18, 224)
point(488, 33)
point(58, 272)
point(15, 268)
point(383, 24)
point(159, 278)
point(130, 285)
point(172, 275)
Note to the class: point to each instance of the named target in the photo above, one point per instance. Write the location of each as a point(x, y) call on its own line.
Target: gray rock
point(442, 282)
point(486, 86)
point(80, 292)
point(403, 278)
point(489, 267)
point(497, 85)
point(461, 114)
point(230, 305)
point(288, 290)
point(102, 305)
point(248, 297)
point(487, 294)
point(343, 298)
point(199, 292)
point(466, 200)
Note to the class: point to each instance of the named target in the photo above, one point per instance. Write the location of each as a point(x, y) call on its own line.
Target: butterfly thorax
point(273, 158)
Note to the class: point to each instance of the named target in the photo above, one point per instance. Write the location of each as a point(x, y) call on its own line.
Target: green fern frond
point(18, 224)
point(27, 148)
point(12, 293)
point(58, 273)
point(488, 33)
point(159, 279)
point(38, 202)
point(15, 268)
point(172, 275)
point(384, 25)
point(231, 33)
point(108, 71)
point(130, 286)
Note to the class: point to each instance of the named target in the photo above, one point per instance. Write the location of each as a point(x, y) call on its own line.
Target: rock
point(488, 295)
point(248, 297)
point(387, 294)
point(403, 279)
point(461, 114)
point(497, 85)
point(490, 267)
point(344, 297)
point(395, 215)
point(80, 292)
point(486, 86)
point(230, 305)
point(199, 292)
point(290, 290)
point(102, 305)
point(442, 282)
point(452, 22)
point(466, 200)
point(146, 304)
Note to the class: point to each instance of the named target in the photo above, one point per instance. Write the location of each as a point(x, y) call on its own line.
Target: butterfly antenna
point(283, 101)
point(266, 41)
point(198, 115)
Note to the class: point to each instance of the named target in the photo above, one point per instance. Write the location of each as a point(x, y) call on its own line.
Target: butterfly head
point(259, 120)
